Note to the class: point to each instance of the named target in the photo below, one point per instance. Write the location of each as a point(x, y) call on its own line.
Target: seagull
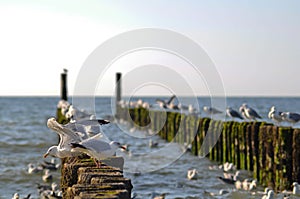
point(211, 110)
point(290, 117)
point(231, 175)
point(87, 128)
point(165, 103)
point(228, 166)
point(47, 176)
point(221, 192)
point(158, 196)
point(192, 174)
point(17, 196)
point(248, 112)
point(233, 113)
point(269, 195)
point(296, 189)
point(75, 113)
point(33, 169)
point(247, 185)
point(66, 135)
point(274, 115)
point(96, 148)
point(153, 144)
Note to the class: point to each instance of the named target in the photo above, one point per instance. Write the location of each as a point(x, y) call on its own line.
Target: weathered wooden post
point(63, 85)
point(118, 85)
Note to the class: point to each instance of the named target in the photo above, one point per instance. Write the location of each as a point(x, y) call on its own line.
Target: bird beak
point(123, 147)
point(45, 155)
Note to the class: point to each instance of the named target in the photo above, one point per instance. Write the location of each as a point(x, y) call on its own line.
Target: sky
point(254, 45)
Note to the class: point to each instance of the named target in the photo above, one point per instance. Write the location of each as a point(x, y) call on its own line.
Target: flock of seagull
point(82, 135)
point(236, 181)
point(245, 112)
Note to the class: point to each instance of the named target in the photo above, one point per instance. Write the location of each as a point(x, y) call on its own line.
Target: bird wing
point(253, 112)
point(66, 135)
point(96, 145)
point(295, 116)
point(236, 114)
point(92, 122)
point(160, 101)
point(171, 99)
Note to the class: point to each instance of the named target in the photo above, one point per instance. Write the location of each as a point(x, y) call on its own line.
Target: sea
point(25, 137)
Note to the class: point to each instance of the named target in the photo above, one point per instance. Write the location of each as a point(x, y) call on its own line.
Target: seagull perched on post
point(96, 148)
point(248, 112)
point(67, 134)
point(290, 117)
point(166, 103)
point(211, 110)
point(274, 115)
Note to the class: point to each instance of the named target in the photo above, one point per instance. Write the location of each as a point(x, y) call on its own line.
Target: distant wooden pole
point(118, 85)
point(63, 85)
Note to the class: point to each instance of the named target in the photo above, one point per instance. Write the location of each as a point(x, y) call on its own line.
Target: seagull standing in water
point(275, 115)
point(249, 113)
point(96, 148)
point(296, 190)
point(192, 174)
point(269, 195)
point(233, 113)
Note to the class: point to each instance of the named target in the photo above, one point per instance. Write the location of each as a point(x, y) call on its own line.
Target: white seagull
point(66, 136)
point(96, 148)
point(165, 103)
point(275, 115)
point(296, 190)
point(47, 176)
point(248, 112)
point(192, 174)
point(290, 117)
point(269, 195)
point(87, 128)
point(211, 110)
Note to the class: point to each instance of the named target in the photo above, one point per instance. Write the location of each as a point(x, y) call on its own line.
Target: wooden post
point(118, 85)
point(63, 85)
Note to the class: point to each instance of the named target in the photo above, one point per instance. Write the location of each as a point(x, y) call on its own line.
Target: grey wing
point(171, 99)
point(295, 116)
point(93, 122)
point(65, 133)
point(96, 145)
point(254, 113)
point(71, 125)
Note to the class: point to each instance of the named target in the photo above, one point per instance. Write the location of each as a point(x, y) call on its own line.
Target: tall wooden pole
point(118, 87)
point(63, 85)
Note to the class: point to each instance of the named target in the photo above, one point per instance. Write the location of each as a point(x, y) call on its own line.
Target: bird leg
point(98, 163)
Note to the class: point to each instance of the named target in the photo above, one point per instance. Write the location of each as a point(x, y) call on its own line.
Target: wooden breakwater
point(272, 153)
point(81, 179)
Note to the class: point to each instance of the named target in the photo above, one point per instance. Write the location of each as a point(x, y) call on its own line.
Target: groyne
point(270, 152)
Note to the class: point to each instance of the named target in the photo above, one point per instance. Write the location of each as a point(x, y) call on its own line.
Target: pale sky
point(254, 45)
